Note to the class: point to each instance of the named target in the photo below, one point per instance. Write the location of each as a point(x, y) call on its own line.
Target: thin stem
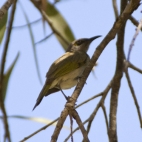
point(3, 59)
point(43, 128)
point(134, 96)
point(133, 39)
point(115, 8)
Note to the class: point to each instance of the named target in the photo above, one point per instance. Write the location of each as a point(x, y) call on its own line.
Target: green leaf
point(7, 76)
point(3, 27)
point(33, 42)
point(59, 23)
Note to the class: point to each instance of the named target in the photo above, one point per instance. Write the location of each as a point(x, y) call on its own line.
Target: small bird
point(65, 72)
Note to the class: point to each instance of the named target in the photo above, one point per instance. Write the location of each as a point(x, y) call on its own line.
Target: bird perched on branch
point(65, 72)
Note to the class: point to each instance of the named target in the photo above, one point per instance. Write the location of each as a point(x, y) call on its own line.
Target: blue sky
point(86, 19)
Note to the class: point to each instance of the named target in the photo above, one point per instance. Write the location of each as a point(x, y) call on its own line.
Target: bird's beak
point(93, 38)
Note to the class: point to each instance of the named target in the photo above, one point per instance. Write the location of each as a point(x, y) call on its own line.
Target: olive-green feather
point(42, 94)
point(67, 63)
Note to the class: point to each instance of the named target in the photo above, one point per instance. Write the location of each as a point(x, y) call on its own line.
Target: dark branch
point(5, 8)
point(115, 8)
point(132, 5)
point(133, 39)
point(104, 94)
point(130, 65)
point(81, 126)
point(3, 59)
point(134, 96)
point(105, 115)
point(134, 21)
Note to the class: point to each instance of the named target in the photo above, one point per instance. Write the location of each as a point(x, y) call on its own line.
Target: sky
point(86, 19)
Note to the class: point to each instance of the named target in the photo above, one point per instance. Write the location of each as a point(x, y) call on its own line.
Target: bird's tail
point(43, 93)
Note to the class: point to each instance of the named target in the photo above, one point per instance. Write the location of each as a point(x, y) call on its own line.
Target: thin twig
point(3, 59)
point(45, 38)
point(104, 94)
point(134, 96)
point(5, 8)
point(128, 64)
point(134, 38)
point(105, 115)
point(43, 128)
point(134, 67)
point(81, 126)
point(90, 99)
point(134, 21)
point(25, 25)
point(92, 116)
point(115, 8)
point(8, 32)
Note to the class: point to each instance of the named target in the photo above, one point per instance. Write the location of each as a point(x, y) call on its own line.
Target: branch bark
point(132, 5)
point(5, 8)
point(81, 126)
point(93, 114)
point(115, 8)
point(134, 96)
point(117, 80)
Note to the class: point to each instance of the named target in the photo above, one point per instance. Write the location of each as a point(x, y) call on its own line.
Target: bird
point(65, 72)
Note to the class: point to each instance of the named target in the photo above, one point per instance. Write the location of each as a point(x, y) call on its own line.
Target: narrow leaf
point(7, 76)
point(59, 23)
point(33, 43)
point(36, 119)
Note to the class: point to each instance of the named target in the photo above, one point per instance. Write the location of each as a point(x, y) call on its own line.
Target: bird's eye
point(79, 42)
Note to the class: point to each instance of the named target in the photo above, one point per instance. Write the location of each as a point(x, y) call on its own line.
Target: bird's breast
point(69, 80)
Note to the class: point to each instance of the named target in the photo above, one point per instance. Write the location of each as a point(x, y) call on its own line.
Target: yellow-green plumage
point(65, 71)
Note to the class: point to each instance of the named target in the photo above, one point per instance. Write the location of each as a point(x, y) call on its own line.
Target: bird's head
point(81, 44)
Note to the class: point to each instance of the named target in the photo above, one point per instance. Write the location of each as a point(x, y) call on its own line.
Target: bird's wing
point(66, 63)
point(42, 94)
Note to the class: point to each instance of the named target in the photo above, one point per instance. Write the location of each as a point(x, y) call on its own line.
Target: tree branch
point(46, 126)
point(133, 39)
point(117, 79)
point(25, 25)
point(105, 115)
point(5, 8)
point(43, 128)
point(130, 65)
point(8, 33)
point(71, 126)
point(132, 5)
point(92, 116)
point(46, 37)
point(81, 126)
point(115, 8)
point(90, 99)
point(134, 21)
point(90, 119)
point(134, 96)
